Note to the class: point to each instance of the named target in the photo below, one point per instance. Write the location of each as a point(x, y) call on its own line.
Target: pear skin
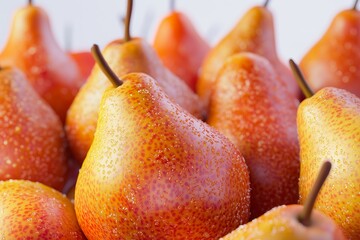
point(180, 47)
point(32, 139)
point(156, 172)
point(253, 33)
point(123, 57)
point(282, 223)
point(31, 47)
point(30, 210)
point(329, 128)
point(334, 61)
point(256, 112)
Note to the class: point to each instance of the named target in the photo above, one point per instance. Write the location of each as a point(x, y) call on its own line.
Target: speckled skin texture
point(32, 48)
point(133, 56)
point(32, 211)
point(156, 172)
point(334, 61)
point(281, 223)
point(253, 33)
point(252, 108)
point(32, 140)
point(329, 129)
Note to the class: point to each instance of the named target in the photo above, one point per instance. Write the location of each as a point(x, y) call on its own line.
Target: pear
point(180, 46)
point(123, 56)
point(32, 139)
point(256, 112)
point(253, 33)
point(84, 61)
point(329, 128)
point(334, 60)
point(30, 210)
point(156, 172)
point(32, 48)
point(292, 222)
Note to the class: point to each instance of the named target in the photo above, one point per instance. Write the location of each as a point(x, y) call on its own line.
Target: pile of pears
point(177, 139)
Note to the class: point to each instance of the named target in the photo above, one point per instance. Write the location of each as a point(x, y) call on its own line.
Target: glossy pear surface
point(32, 139)
point(123, 57)
point(282, 223)
point(156, 172)
point(329, 129)
point(30, 210)
point(334, 61)
point(180, 47)
point(32, 48)
point(251, 107)
point(253, 33)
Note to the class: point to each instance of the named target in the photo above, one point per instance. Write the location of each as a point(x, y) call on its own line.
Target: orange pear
point(156, 172)
point(32, 48)
point(123, 56)
point(253, 33)
point(293, 222)
point(30, 210)
point(256, 112)
point(32, 139)
point(334, 61)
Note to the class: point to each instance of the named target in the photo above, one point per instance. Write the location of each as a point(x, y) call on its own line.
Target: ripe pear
point(156, 172)
point(334, 61)
point(180, 47)
point(30, 210)
point(329, 128)
point(84, 61)
point(293, 221)
point(32, 48)
point(123, 56)
point(253, 33)
point(255, 111)
point(32, 139)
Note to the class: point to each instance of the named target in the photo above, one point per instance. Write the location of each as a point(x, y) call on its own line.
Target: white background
point(298, 24)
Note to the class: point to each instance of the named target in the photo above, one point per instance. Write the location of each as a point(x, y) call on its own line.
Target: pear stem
point(266, 3)
point(104, 66)
point(172, 5)
point(30, 2)
point(305, 215)
point(355, 5)
point(127, 36)
point(305, 88)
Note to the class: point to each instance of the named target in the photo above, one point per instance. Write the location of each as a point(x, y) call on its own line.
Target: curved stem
point(266, 3)
point(355, 5)
point(305, 216)
point(105, 68)
point(305, 88)
point(30, 2)
point(127, 36)
point(172, 5)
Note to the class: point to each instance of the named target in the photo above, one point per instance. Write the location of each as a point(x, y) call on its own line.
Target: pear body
point(156, 172)
point(282, 223)
point(123, 57)
point(31, 47)
point(32, 139)
point(253, 33)
point(334, 61)
point(257, 114)
point(30, 210)
point(180, 47)
point(329, 129)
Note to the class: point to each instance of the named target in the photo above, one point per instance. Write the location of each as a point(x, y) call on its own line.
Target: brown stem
point(305, 88)
point(266, 3)
point(30, 2)
point(127, 36)
point(105, 68)
point(305, 215)
point(172, 5)
point(355, 5)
